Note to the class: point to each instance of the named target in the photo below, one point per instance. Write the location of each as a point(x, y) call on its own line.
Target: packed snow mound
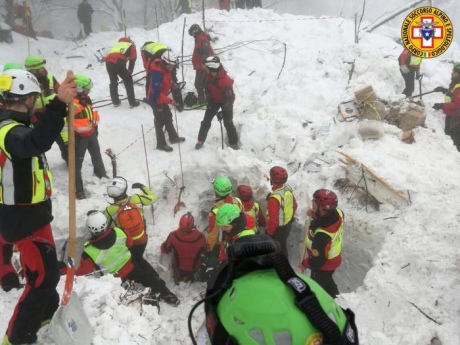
point(400, 272)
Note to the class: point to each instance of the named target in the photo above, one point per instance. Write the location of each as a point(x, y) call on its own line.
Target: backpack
point(130, 219)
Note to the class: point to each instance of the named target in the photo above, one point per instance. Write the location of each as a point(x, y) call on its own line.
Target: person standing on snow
point(157, 97)
point(151, 51)
point(25, 203)
point(188, 246)
point(324, 240)
point(409, 66)
point(86, 133)
point(108, 251)
point(49, 85)
point(221, 96)
point(84, 13)
point(127, 213)
point(451, 106)
point(281, 207)
point(201, 51)
point(184, 6)
point(115, 62)
point(251, 207)
point(224, 5)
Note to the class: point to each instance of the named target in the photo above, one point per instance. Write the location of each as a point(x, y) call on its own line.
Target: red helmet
point(278, 175)
point(325, 198)
point(244, 192)
point(186, 223)
point(125, 39)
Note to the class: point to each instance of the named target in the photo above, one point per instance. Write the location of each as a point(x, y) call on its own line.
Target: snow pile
point(400, 272)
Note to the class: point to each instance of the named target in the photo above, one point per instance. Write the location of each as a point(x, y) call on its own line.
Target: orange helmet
point(325, 198)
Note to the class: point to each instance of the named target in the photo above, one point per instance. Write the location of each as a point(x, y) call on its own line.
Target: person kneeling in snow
point(189, 247)
point(108, 251)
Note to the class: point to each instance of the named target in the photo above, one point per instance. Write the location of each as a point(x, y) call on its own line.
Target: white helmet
point(23, 83)
point(96, 223)
point(212, 62)
point(117, 187)
point(169, 57)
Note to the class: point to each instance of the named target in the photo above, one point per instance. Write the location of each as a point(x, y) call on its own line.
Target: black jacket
point(84, 12)
point(23, 143)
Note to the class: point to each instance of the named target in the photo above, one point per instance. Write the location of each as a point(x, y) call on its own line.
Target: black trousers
point(200, 85)
point(324, 279)
point(116, 70)
point(149, 278)
point(137, 251)
point(281, 235)
point(409, 80)
point(163, 119)
point(211, 111)
point(82, 144)
point(87, 27)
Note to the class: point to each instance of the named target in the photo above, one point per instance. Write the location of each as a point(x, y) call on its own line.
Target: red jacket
point(273, 207)
point(130, 54)
point(453, 107)
point(201, 51)
point(317, 257)
point(160, 84)
point(404, 59)
point(187, 249)
point(220, 87)
point(248, 205)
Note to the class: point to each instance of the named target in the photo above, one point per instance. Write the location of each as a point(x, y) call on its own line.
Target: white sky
point(392, 258)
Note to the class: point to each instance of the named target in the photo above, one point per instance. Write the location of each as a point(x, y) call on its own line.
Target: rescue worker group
point(33, 117)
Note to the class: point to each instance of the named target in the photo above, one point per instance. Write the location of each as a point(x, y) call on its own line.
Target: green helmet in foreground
point(227, 213)
point(34, 62)
point(83, 83)
point(270, 316)
point(11, 65)
point(222, 186)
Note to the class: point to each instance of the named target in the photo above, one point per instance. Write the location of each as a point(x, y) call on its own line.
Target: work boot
point(199, 145)
point(235, 147)
point(170, 298)
point(177, 140)
point(134, 104)
point(116, 104)
point(165, 148)
point(80, 195)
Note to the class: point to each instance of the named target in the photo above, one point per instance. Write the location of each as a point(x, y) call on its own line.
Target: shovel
point(179, 203)
point(70, 325)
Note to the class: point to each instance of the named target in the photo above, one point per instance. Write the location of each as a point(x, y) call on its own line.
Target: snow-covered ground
point(401, 267)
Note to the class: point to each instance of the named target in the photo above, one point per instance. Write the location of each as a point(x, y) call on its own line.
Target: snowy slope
point(394, 259)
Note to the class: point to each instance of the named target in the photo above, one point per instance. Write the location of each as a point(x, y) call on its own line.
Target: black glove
point(441, 89)
point(220, 115)
point(438, 106)
point(137, 185)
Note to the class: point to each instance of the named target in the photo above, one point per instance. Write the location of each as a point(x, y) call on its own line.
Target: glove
point(62, 268)
point(441, 89)
point(220, 116)
point(130, 71)
point(404, 69)
point(438, 106)
point(418, 75)
point(137, 185)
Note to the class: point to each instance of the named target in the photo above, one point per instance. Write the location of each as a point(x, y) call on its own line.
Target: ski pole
point(152, 210)
point(422, 94)
point(220, 117)
point(420, 86)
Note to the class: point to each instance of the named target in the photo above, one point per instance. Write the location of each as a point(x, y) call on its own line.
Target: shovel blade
point(178, 206)
point(70, 324)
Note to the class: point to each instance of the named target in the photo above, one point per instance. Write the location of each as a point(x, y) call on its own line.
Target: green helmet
point(222, 186)
point(34, 62)
point(83, 83)
point(227, 213)
point(457, 67)
point(271, 316)
point(11, 65)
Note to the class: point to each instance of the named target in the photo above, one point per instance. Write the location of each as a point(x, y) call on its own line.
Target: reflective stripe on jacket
point(113, 259)
point(36, 168)
point(335, 248)
point(285, 198)
point(86, 119)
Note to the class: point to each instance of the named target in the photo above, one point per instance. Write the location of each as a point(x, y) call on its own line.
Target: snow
point(398, 262)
